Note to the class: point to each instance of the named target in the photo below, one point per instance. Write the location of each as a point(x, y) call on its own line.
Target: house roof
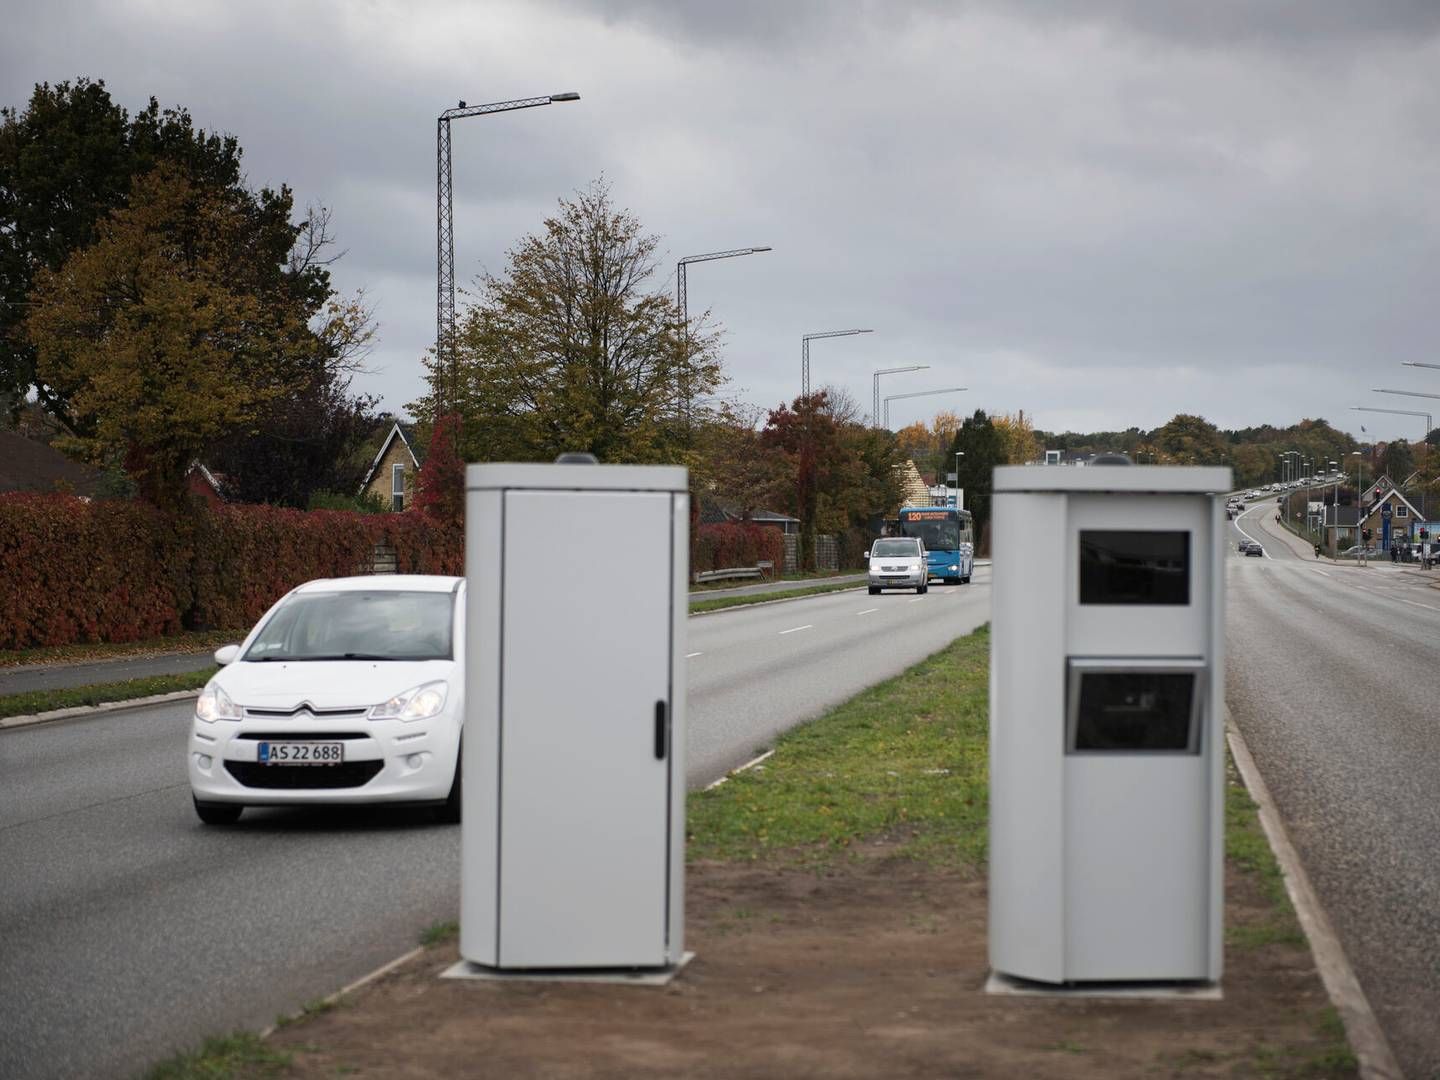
point(405, 433)
point(1393, 493)
point(715, 511)
point(30, 465)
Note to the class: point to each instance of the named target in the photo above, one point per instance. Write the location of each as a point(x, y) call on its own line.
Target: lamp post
point(807, 454)
point(1429, 425)
point(805, 340)
point(1359, 504)
point(958, 455)
point(682, 301)
point(921, 393)
point(875, 388)
point(445, 229)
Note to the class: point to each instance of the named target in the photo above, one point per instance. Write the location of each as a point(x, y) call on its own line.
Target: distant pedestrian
point(1317, 551)
point(1394, 553)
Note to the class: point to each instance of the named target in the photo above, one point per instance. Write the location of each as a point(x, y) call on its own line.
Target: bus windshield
point(938, 530)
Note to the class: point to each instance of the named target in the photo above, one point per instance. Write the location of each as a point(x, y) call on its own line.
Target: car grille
point(291, 736)
point(349, 774)
point(305, 709)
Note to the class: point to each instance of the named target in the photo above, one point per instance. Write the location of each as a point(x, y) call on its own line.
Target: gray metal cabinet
point(573, 832)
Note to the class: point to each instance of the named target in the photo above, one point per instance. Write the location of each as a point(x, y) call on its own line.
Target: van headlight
point(214, 704)
point(418, 703)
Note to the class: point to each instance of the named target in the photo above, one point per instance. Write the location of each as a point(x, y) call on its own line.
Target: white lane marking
point(867, 611)
point(689, 655)
point(1322, 573)
point(1247, 536)
point(795, 629)
point(739, 769)
point(916, 599)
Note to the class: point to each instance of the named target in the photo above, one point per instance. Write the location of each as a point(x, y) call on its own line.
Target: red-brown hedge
point(72, 571)
point(724, 547)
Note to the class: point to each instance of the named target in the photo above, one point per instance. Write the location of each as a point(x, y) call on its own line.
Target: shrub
point(72, 571)
point(723, 547)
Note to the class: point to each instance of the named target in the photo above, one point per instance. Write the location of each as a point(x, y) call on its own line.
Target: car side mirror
point(226, 654)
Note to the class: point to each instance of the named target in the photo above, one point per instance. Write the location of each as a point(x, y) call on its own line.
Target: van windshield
point(898, 547)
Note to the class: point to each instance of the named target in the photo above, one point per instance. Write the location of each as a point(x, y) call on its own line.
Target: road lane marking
point(739, 769)
point(795, 629)
point(916, 599)
point(1247, 536)
point(867, 611)
point(690, 655)
point(1322, 573)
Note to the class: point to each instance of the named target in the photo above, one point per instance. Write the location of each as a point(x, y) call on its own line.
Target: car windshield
point(890, 549)
point(358, 625)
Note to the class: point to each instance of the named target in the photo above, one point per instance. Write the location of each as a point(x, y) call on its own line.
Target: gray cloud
point(1102, 213)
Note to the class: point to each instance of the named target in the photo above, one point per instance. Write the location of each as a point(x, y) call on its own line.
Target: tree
point(1190, 440)
point(733, 462)
point(66, 162)
point(440, 487)
point(983, 448)
point(1398, 461)
point(168, 332)
point(572, 350)
point(1017, 434)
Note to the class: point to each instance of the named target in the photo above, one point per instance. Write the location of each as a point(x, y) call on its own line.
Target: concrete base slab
point(616, 976)
point(1145, 991)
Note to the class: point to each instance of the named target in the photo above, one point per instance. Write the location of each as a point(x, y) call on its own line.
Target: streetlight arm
point(721, 255)
point(464, 110)
point(1406, 393)
point(833, 333)
point(927, 393)
point(897, 370)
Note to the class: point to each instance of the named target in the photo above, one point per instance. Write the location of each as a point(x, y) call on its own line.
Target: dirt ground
point(874, 968)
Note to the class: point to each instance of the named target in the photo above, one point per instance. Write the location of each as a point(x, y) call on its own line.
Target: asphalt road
point(1334, 683)
point(30, 677)
point(128, 930)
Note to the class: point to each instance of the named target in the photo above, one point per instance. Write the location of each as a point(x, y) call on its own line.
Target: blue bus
point(949, 538)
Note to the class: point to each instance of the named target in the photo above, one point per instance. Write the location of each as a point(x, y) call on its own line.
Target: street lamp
point(922, 393)
point(1359, 497)
point(805, 340)
point(1398, 412)
point(445, 225)
point(807, 474)
point(958, 455)
point(875, 388)
point(682, 301)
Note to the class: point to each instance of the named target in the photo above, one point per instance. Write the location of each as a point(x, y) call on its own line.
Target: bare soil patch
point(873, 966)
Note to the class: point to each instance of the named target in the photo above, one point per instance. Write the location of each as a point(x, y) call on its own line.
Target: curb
point(364, 980)
point(1376, 1060)
point(94, 710)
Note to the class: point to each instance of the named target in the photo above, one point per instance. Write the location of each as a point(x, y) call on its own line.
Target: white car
point(898, 562)
point(349, 690)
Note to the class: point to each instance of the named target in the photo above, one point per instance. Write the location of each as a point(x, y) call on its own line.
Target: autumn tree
point(440, 487)
point(572, 348)
point(1017, 434)
point(1397, 461)
point(165, 335)
point(733, 463)
point(66, 162)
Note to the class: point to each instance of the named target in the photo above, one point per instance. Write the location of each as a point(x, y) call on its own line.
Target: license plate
point(301, 753)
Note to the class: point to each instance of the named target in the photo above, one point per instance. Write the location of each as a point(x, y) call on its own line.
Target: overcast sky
point(1103, 218)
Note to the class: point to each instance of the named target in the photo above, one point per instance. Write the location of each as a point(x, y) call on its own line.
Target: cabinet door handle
point(661, 732)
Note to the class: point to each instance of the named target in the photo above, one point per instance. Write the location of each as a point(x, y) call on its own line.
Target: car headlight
point(214, 704)
point(418, 703)
point(954, 567)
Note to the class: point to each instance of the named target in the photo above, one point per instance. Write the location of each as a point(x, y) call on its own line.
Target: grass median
point(697, 606)
point(40, 701)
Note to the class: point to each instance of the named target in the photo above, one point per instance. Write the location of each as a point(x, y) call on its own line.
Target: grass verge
point(809, 575)
point(193, 641)
point(240, 1054)
point(761, 598)
point(1247, 848)
point(904, 760)
point(38, 701)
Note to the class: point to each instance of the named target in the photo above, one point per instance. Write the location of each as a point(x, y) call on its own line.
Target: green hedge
point(75, 571)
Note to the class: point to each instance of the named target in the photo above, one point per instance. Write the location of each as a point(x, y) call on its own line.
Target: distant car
point(1249, 547)
point(348, 691)
point(1356, 551)
point(898, 562)
point(1256, 550)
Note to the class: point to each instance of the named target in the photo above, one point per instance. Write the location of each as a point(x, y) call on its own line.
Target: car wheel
point(874, 590)
point(922, 589)
point(449, 811)
point(217, 813)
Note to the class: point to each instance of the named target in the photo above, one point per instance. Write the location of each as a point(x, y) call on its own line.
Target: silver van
point(898, 562)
